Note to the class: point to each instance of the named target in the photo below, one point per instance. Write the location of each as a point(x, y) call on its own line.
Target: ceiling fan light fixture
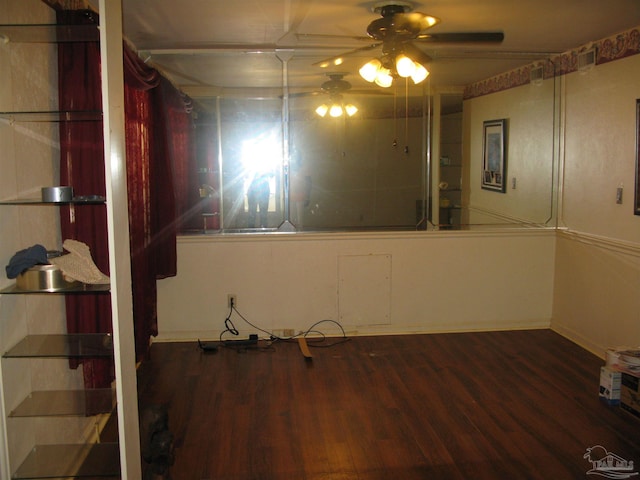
point(322, 109)
point(335, 110)
point(351, 109)
point(369, 70)
point(430, 21)
point(419, 74)
point(384, 78)
point(405, 66)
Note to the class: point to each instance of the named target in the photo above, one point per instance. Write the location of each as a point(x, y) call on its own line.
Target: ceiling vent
point(537, 75)
point(586, 60)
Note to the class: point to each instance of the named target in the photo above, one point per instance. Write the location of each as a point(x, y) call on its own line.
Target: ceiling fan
point(399, 31)
point(336, 86)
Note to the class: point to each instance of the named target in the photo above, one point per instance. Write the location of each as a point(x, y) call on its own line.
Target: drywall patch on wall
point(364, 289)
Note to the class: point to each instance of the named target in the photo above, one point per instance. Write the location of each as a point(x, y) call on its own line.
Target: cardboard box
point(610, 382)
point(630, 394)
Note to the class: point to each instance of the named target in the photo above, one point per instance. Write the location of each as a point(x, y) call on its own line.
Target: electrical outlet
point(288, 332)
point(232, 301)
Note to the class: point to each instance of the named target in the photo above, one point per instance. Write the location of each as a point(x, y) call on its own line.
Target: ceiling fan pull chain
point(395, 116)
point(406, 115)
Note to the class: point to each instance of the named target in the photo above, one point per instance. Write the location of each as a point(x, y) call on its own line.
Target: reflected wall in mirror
point(374, 170)
point(529, 184)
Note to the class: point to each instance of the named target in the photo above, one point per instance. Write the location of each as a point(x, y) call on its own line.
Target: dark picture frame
point(494, 155)
point(636, 203)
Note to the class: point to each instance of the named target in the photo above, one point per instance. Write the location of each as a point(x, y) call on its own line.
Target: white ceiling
point(227, 47)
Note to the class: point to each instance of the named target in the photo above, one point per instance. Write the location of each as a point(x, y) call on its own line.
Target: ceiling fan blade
point(317, 93)
point(306, 94)
point(370, 91)
point(309, 37)
point(335, 60)
point(462, 37)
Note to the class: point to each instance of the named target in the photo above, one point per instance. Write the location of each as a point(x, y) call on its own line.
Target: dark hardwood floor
point(497, 405)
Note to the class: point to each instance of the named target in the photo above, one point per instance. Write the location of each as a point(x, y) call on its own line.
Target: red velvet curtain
point(151, 156)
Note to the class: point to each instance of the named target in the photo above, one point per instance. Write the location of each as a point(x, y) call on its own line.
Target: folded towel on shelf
point(25, 259)
point(78, 264)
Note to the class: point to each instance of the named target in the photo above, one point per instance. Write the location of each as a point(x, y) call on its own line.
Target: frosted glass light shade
point(351, 109)
point(370, 69)
point(384, 78)
point(335, 110)
point(419, 74)
point(405, 66)
point(322, 110)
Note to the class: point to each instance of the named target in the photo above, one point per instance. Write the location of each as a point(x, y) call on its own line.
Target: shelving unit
point(66, 460)
point(70, 461)
point(65, 403)
point(48, 117)
point(104, 459)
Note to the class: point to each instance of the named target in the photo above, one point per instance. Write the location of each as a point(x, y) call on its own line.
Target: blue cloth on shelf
point(25, 259)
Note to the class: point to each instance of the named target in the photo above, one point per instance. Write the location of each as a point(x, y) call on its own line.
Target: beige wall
point(599, 151)
point(437, 282)
point(597, 301)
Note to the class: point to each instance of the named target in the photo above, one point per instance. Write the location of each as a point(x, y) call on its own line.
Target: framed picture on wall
point(494, 155)
point(636, 203)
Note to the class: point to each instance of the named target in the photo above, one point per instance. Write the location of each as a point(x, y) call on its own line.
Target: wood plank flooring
point(495, 405)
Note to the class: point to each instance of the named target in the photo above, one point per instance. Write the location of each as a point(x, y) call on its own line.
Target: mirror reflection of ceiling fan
point(333, 89)
point(336, 85)
point(398, 34)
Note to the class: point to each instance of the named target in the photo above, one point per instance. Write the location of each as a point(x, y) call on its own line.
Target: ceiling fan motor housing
point(399, 21)
point(336, 84)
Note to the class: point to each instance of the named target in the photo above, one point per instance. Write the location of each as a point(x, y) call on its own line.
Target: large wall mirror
point(411, 157)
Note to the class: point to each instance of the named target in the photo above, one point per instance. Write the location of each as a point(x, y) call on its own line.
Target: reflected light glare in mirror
point(322, 110)
point(335, 110)
point(351, 109)
point(261, 154)
point(338, 61)
point(405, 66)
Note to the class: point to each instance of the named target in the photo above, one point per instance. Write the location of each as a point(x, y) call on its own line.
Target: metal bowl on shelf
point(57, 194)
point(45, 278)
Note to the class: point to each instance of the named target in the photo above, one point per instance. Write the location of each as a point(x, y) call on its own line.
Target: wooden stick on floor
point(304, 348)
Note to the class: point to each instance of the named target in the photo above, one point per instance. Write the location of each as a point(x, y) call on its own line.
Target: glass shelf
point(83, 288)
point(44, 33)
point(78, 345)
point(66, 403)
point(37, 201)
point(53, 116)
point(70, 461)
